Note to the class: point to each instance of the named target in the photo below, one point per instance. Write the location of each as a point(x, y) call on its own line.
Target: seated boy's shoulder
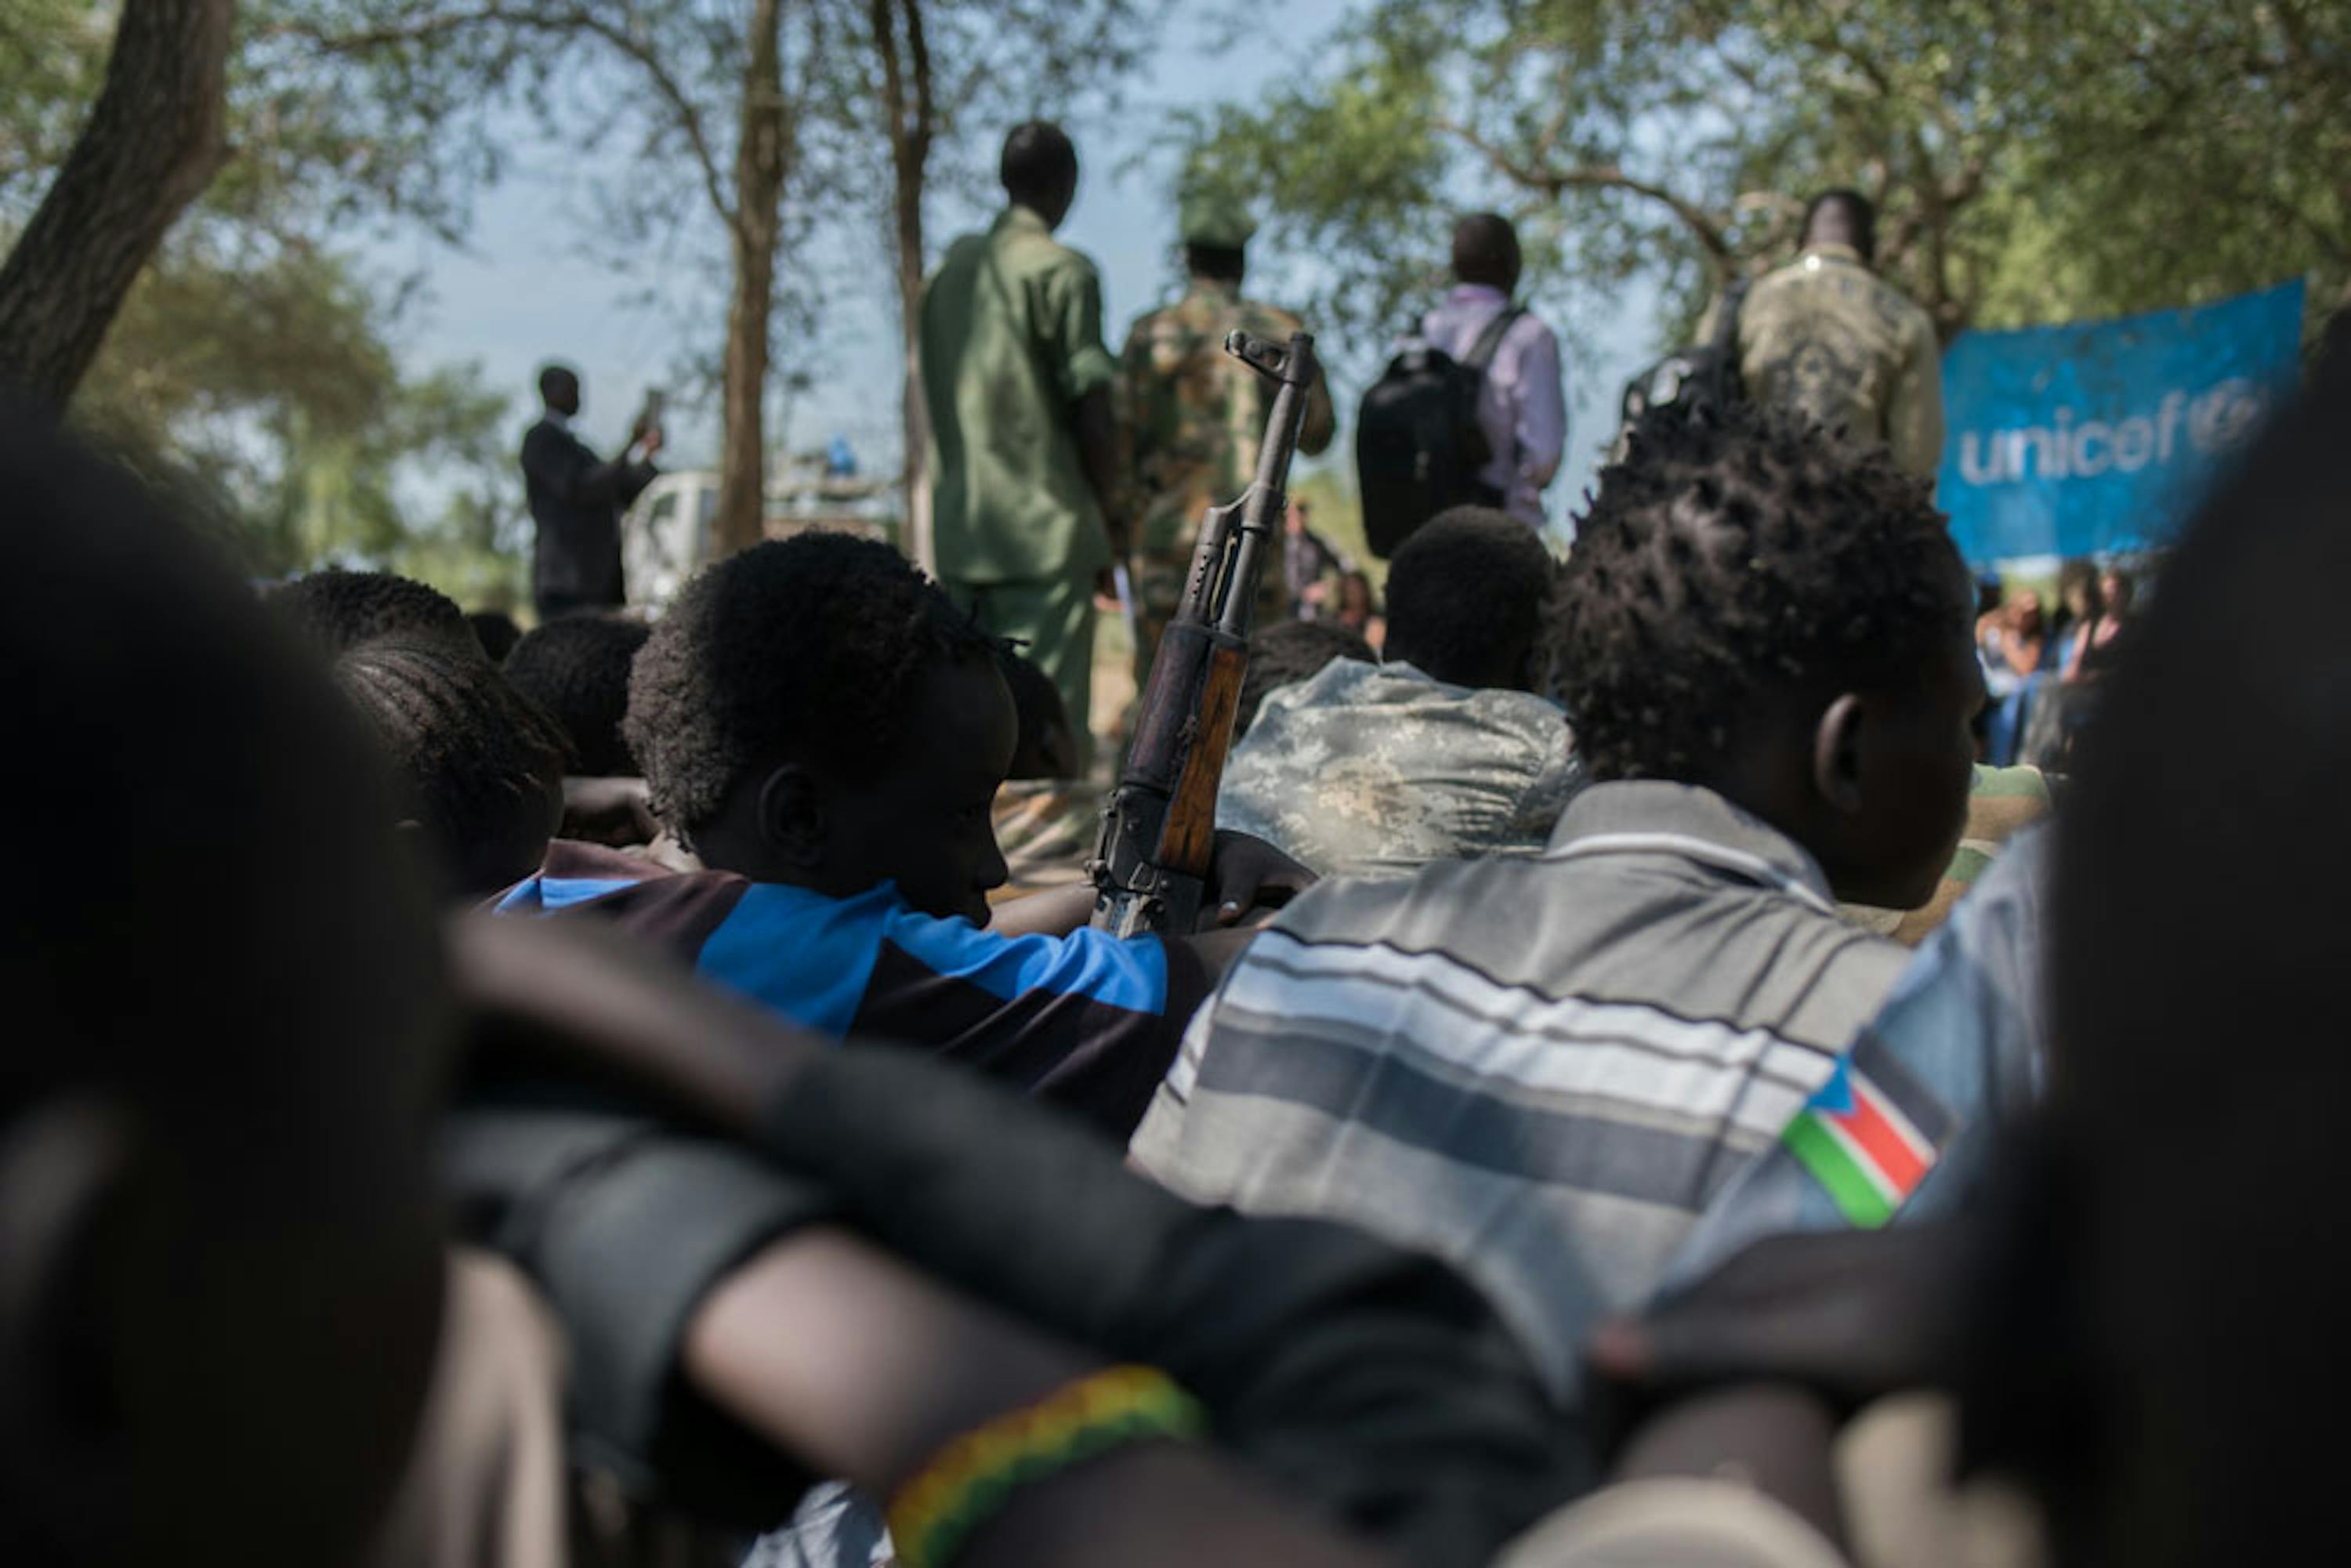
point(1539, 722)
point(573, 859)
point(1339, 681)
point(1415, 910)
point(615, 884)
point(1844, 983)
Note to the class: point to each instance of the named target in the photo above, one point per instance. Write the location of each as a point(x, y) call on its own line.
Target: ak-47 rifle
point(1159, 827)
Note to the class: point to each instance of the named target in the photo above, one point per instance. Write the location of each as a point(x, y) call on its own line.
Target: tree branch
point(1707, 227)
point(572, 20)
point(881, 16)
point(926, 109)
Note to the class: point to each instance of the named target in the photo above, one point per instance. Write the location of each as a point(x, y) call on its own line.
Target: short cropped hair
point(337, 611)
point(496, 631)
point(576, 669)
point(474, 755)
point(1724, 561)
point(552, 376)
point(1289, 652)
point(808, 649)
point(1854, 209)
point(1485, 250)
point(1224, 262)
point(1468, 595)
point(1038, 159)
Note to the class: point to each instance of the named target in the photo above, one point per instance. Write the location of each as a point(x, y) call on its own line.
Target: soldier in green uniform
point(1192, 417)
point(1024, 453)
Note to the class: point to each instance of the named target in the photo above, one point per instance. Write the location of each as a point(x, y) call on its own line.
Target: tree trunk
point(760, 154)
point(154, 139)
point(911, 117)
point(915, 417)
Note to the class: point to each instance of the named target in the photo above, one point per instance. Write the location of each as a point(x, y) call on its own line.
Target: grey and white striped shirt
point(1541, 1071)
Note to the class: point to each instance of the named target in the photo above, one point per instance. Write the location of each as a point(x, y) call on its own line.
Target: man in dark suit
point(576, 502)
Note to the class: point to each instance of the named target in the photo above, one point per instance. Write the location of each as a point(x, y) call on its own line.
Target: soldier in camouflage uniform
point(1192, 416)
point(1828, 336)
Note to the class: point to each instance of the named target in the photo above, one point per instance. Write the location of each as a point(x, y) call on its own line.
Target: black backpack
point(1418, 445)
point(1701, 380)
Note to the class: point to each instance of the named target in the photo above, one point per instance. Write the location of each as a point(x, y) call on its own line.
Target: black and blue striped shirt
point(1085, 1020)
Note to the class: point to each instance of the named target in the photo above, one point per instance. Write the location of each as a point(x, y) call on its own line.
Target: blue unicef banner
point(2102, 435)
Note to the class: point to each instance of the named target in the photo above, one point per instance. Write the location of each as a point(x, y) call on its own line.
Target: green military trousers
point(1051, 622)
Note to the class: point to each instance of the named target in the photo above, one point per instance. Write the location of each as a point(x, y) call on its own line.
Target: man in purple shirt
point(1523, 407)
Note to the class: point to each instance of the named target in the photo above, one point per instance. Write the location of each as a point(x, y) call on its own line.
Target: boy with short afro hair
point(1728, 579)
point(828, 732)
point(578, 670)
point(1446, 751)
point(1545, 1070)
point(815, 652)
point(337, 611)
point(480, 765)
point(496, 631)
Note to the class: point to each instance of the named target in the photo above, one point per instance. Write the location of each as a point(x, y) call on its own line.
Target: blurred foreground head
point(2181, 1398)
point(219, 1267)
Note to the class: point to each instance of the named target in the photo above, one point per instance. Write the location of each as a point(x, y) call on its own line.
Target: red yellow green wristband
point(973, 1476)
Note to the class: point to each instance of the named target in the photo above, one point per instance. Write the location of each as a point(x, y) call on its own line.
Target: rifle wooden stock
point(1188, 838)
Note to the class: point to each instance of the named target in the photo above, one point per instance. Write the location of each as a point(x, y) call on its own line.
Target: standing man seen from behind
point(1194, 417)
point(1022, 441)
point(576, 502)
point(1523, 404)
point(1827, 337)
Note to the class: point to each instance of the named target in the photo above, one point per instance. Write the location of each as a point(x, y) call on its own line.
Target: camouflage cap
point(1208, 217)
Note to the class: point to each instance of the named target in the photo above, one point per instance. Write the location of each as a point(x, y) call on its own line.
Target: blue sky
point(526, 287)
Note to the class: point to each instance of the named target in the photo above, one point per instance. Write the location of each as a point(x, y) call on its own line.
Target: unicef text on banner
point(2103, 435)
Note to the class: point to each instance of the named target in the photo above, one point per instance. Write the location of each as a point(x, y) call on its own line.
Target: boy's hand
point(611, 812)
point(1247, 873)
point(1849, 1315)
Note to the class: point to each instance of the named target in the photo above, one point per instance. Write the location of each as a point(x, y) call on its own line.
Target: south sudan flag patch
point(1869, 1136)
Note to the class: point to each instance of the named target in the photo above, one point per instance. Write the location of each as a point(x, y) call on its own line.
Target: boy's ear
point(794, 824)
point(60, 1163)
point(1837, 753)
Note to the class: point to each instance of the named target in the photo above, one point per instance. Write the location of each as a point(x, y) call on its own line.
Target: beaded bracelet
point(974, 1475)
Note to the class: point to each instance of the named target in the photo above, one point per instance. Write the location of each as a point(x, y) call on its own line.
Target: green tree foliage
point(270, 385)
point(274, 389)
point(251, 366)
point(2030, 162)
point(52, 60)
